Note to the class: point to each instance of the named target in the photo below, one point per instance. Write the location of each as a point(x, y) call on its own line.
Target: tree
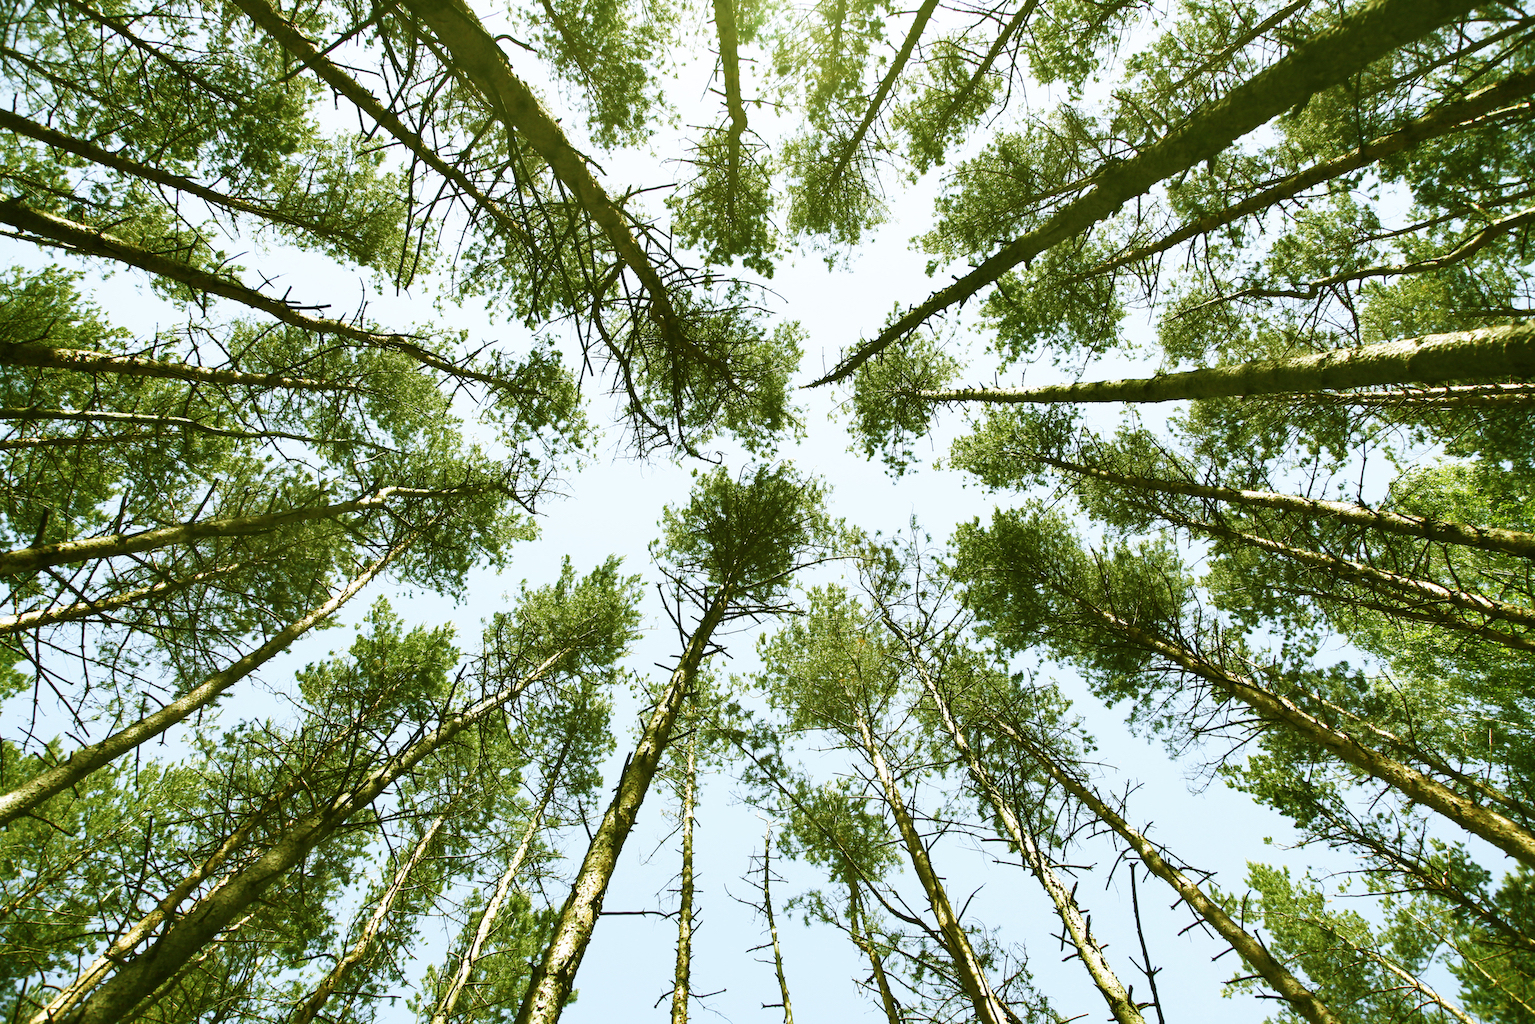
point(1302, 561)
point(732, 550)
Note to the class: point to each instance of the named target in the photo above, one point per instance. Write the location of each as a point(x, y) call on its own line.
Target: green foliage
point(887, 417)
point(745, 537)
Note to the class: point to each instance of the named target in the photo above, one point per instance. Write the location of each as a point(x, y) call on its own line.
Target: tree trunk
point(129, 939)
point(767, 911)
point(555, 977)
point(1496, 828)
point(988, 1008)
point(1379, 579)
point(60, 142)
point(84, 361)
point(1442, 120)
point(175, 423)
point(27, 796)
point(83, 238)
point(294, 41)
point(24, 621)
point(448, 1004)
point(682, 973)
point(33, 559)
point(892, 74)
point(210, 915)
point(311, 1006)
point(730, 69)
point(1247, 946)
point(1090, 952)
point(1327, 59)
point(1483, 538)
point(1483, 354)
point(1455, 396)
point(862, 940)
point(477, 55)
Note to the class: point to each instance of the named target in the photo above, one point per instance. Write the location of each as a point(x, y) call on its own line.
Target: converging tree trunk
point(682, 974)
point(1247, 945)
point(555, 976)
point(32, 793)
point(200, 924)
point(1121, 1006)
point(1328, 58)
point(1488, 353)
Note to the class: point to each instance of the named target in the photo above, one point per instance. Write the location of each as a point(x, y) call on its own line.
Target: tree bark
point(57, 140)
point(297, 44)
point(730, 69)
point(767, 912)
point(477, 55)
point(448, 1004)
point(174, 423)
point(1380, 579)
point(682, 974)
point(1451, 117)
point(24, 621)
point(1319, 63)
point(862, 940)
point(1463, 396)
point(130, 938)
point(555, 977)
point(84, 361)
point(30, 560)
point(30, 794)
point(82, 238)
point(908, 47)
point(1483, 354)
point(1496, 828)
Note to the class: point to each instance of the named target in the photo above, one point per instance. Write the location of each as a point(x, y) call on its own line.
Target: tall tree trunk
point(682, 974)
point(1248, 946)
point(307, 1010)
point(1121, 1006)
point(1329, 58)
point(967, 967)
point(33, 559)
point(24, 621)
point(1454, 396)
point(447, 1005)
point(730, 69)
point(1445, 119)
point(297, 44)
point(1499, 830)
point(772, 923)
point(83, 238)
point(85, 361)
point(58, 141)
point(1381, 580)
point(1486, 353)
point(477, 55)
point(1482, 538)
point(174, 423)
point(130, 938)
point(204, 920)
point(555, 977)
point(27, 796)
point(861, 938)
point(887, 83)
